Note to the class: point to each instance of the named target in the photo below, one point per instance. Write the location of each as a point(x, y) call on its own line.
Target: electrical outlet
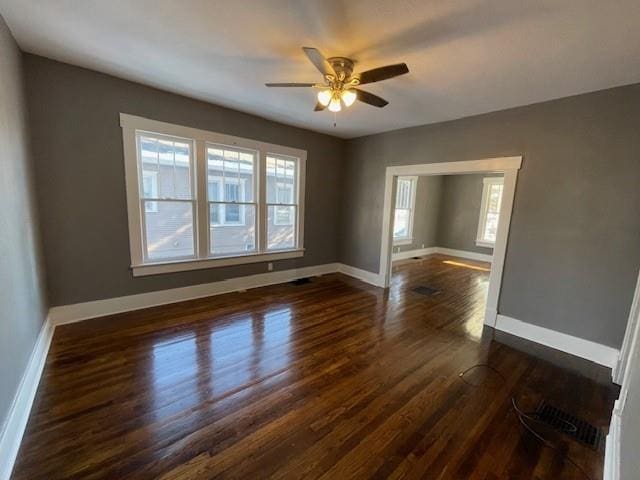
point(423, 245)
point(270, 266)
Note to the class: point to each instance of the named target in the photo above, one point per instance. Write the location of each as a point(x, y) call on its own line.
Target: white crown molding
point(595, 352)
point(18, 415)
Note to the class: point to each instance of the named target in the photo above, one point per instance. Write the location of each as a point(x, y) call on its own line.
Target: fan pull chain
point(335, 119)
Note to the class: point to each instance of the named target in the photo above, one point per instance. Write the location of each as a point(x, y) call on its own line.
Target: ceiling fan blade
point(319, 107)
point(383, 73)
point(289, 84)
point(370, 98)
point(319, 61)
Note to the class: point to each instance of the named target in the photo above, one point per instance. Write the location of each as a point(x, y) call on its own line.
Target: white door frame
point(620, 369)
point(507, 165)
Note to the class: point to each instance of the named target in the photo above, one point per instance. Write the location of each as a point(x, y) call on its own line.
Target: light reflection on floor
point(240, 351)
point(407, 274)
point(466, 265)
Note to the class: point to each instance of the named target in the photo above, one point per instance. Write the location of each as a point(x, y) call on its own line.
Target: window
point(167, 202)
point(250, 210)
point(405, 206)
point(282, 202)
point(232, 209)
point(490, 211)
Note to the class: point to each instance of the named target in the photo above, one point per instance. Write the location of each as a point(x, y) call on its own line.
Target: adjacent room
point(446, 225)
point(319, 239)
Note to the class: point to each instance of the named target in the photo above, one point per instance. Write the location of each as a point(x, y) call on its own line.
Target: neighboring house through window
point(150, 189)
point(404, 211)
point(490, 211)
point(251, 208)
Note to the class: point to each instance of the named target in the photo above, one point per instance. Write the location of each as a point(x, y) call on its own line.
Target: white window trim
point(408, 239)
point(484, 205)
point(131, 124)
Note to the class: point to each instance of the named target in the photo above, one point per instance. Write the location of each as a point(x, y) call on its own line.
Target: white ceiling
point(466, 57)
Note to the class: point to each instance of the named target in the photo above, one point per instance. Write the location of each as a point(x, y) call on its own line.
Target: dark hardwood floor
point(333, 379)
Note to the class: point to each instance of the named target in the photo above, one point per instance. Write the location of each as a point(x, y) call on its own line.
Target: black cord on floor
point(523, 416)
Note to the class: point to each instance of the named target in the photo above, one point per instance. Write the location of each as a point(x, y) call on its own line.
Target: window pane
point(491, 227)
point(169, 230)
point(170, 161)
point(401, 223)
point(228, 166)
point(232, 213)
point(495, 198)
point(281, 180)
point(232, 237)
point(281, 235)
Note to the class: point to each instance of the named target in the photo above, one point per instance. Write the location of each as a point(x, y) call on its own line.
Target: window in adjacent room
point(250, 208)
point(490, 211)
point(404, 211)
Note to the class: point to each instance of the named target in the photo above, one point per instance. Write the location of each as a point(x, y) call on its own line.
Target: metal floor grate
point(426, 291)
point(301, 281)
point(571, 425)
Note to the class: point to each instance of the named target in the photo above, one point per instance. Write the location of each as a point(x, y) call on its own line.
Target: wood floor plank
point(333, 379)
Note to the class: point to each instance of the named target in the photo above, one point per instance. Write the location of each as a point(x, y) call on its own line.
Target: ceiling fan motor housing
point(343, 66)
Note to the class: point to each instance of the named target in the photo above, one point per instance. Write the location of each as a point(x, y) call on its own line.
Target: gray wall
point(425, 221)
point(572, 257)
point(77, 140)
point(22, 304)
point(460, 212)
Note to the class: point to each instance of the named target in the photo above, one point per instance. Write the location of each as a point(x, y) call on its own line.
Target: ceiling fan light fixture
point(334, 104)
point(348, 97)
point(324, 97)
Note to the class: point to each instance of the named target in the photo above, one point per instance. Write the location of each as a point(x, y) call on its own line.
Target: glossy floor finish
point(334, 379)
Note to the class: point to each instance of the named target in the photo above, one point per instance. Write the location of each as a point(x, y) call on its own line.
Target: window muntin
point(167, 202)
point(282, 201)
point(231, 192)
point(404, 209)
point(490, 211)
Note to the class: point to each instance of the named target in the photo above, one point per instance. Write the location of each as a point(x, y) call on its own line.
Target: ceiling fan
point(340, 83)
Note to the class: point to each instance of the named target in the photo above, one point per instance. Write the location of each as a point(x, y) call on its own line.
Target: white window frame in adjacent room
point(487, 183)
point(133, 125)
point(408, 239)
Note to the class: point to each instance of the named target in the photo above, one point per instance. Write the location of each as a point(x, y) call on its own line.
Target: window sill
point(480, 243)
point(199, 264)
point(403, 241)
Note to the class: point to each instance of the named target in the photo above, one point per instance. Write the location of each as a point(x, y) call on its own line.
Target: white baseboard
point(98, 308)
point(595, 352)
point(481, 257)
point(413, 253)
point(612, 446)
point(364, 275)
point(11, 435)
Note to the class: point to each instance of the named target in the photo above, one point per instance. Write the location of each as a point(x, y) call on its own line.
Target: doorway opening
point(399, 222)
